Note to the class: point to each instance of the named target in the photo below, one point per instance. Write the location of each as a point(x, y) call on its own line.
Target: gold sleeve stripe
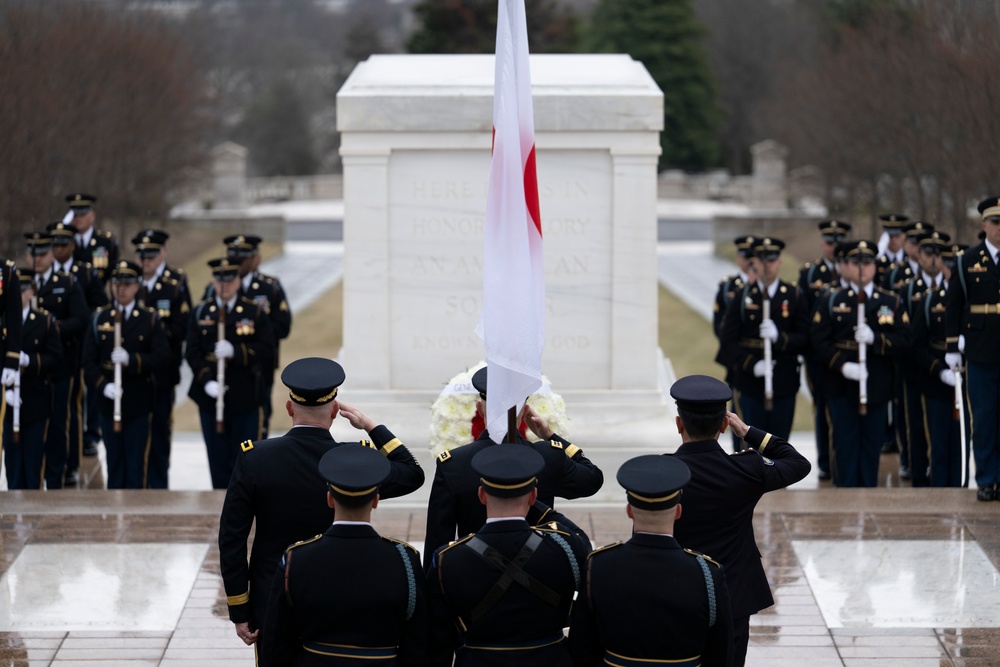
point(14, 355)
point(234, 600)
point(388, 447)
point(572, 450)
point(763, 443)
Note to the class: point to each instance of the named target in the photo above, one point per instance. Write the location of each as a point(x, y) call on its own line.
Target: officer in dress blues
point(859, 426)
point(267, 292)
point(724, 295)
point(10, 307)
point(815, 278)
point(349, 596)
point(502, 596)
point(892, 254)
point(59, 294)
point(745, 330)
point(973, 312)
point(453, 501)
point(40, 356)
point(246, 349)
point(277, 486)
point(85, 421)
point(648, 601)
point(723, 491)
point(156, 263)
point(903, 270)
point(96, 247)
point(916, 451)
point(163, 293)
point(143, 356)
point(942, 432)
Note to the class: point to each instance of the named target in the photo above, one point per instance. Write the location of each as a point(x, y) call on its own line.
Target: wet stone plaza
point(880, 577)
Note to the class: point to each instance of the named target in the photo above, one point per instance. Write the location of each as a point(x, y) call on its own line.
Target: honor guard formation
point(900, 353)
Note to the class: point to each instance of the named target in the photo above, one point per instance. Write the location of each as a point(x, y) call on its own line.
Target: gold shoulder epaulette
point(395, 541)
point(556, 444)
point(708, 558)
point(551, 527)
point(368, 443)
point(444, 456)
point(606, 547)
point(457, 542)
point(246, 445)
point(301, 542)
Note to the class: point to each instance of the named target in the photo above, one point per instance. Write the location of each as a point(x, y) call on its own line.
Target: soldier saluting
point(99, 248)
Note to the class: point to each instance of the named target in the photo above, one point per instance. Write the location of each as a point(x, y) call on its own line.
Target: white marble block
point(415, 144)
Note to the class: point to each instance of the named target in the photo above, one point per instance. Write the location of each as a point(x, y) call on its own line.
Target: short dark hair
point(702, 425)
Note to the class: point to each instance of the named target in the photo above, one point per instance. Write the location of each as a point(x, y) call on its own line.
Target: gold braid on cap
point(485, 482)
point(322, 399)
point(654, 500)
point(343, 492)
point(991, 211)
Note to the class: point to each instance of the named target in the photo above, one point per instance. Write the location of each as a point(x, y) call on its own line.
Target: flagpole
point(512, 429)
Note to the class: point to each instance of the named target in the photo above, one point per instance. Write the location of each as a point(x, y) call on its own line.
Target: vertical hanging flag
point(512, 324)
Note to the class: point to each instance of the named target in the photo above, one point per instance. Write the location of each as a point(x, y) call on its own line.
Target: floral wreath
point(455, 421)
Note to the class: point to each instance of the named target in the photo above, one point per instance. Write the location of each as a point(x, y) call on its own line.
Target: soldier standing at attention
point(649, 601)
point(454, 503)
point(246, 349)
point(369, 576)
point(59, 294)
point(745, 332)
point(815, 278)
point(10, 307)
point(96, 247)
point(973, 311)
point(142, 356)
point(159, 291)
point(723, 491)
point(727, 291)
point(837, 333)
point(84, 418)
point(277, 486)
point(40, 356)
point(267, 292)
point(155, 265)
point(892, 254)
point(502, 596)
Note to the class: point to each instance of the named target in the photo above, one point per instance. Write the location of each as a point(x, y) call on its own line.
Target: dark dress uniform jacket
point(459, 579)
point(930, 346)
point(973, 310)
point(249, 330)
point(101, 252)
point(648, 599)
point(145, 340)
point(277, 483)
point(40, 341)
point(718, 508)
point(454, 499)
point(344, 592)
point(741, 345)
point(61, 296)
point(93, 289)
point(167, 300)
point(10, 306)
point(834, 321)
point(724, 295)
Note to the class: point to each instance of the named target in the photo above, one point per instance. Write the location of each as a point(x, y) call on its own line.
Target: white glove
point(769, 330)
point(961, 342)
point(851, 370)
point(953, 359)
point(11, 399)
point(948, 377)
point(25, 360)
point(212, 389)
point(760, 368)
point(224, 350)
point(110, 391)
point(119, 356)
point(864, 334)
point(9, 374)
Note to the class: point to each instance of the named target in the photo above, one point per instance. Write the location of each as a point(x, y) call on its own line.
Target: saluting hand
point(737, 424)
point(357, 418)
point(536, 423)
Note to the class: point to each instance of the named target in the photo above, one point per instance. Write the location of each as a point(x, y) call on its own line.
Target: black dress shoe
point(890, 447)
point(986, 493)
point(90, 449)
point(72, 478)
point(904, 473)
point(996, 492)
point(823, 474)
